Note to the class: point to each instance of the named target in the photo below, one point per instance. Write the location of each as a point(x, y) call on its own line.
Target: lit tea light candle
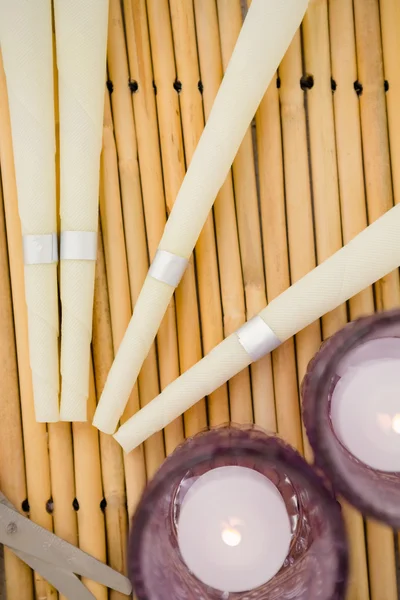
point(365, 404)
point(234, 530)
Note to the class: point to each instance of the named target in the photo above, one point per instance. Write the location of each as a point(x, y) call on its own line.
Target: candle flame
point(396, 423)
point(231, 537)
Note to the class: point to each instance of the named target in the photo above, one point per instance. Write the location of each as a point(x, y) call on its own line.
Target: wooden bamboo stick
point(132, 207)
point(118, 286)
point(231, 281)
point(298, 195)
point(173, 161)
point(18, 576)
point(89, 491)
point(112, 465)
point(144, 103)
point(184, 34)
point(230, 23)
point(35, 434)
point(272, 195)
point(379, 199)
point(353, 212)
point(390, 25)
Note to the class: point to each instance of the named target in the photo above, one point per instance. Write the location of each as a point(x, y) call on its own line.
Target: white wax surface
point(234, 530)
point(365, 407)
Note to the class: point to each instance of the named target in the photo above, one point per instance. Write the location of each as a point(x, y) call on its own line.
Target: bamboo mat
point(321, 160)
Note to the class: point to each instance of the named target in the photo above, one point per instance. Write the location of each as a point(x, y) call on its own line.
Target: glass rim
point(265, 446)
point(320, 370)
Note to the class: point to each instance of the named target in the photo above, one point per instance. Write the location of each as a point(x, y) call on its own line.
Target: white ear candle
point(372, 254)
point(81, 35)
point(266, 34)
point(27, 49)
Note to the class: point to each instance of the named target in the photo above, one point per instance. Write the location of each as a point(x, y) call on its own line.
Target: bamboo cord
point(132, 208)
point(378, 182)
point(390, 25)
point(326, 197)
point(184, 35)
point(173, 163)
point(18, 576)
point(144, 103)
point(118, 286)
point(89, 490)
point(231, 280)
point(230, 23)
point(353, 212)
point(112, 465)
point(34, 434)
point(298, 195)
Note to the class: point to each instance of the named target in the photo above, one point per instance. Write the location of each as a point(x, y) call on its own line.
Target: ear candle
point(266, 34)
point(234, 531)
point(365, 403)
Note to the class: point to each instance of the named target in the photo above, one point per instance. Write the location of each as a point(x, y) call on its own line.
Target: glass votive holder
point(351, 411)
point(235, 514)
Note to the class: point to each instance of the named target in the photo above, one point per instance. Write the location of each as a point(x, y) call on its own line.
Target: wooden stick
point(35, 434)
point(298, 195)
point(231, 280)
point(174, 169)
point(144, 103)
point(379, 199)
point(112, 465)
point(135, 234)
point(354, 215)
point(182, 17)
point(18, 576)
point(89, 490)
point(230, 23)
point(322, 146)
point(390, 25)
point(118, 286)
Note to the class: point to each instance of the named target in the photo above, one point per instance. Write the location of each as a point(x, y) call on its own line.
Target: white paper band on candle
point(168, 268)
point(78, 245)
point(257, 338)
point(40, 249)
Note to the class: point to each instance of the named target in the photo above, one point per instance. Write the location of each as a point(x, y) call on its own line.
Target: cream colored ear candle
point(372, 254)
point(81, 37)
point(26, 46)
point(265, 36)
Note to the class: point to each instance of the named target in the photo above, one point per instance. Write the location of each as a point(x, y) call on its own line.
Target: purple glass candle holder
point(316, 565)
point(374, 491)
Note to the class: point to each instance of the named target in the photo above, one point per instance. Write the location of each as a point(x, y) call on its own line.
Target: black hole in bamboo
point(155, 88)
point(110, 86)
point(133, 86)
point(75, 504)
point(358, 88)
point(307, 82)
point(178, 86)
point(200, 86)
point(278, 82)
point(25, 505)
point(386, 85)
point(50, 506)
point(333, 85)
point(103, 505)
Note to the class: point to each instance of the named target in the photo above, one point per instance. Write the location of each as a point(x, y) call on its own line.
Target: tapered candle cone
point(264, 38)
point(81, 35)
point(365, 259)
point(26, 44)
